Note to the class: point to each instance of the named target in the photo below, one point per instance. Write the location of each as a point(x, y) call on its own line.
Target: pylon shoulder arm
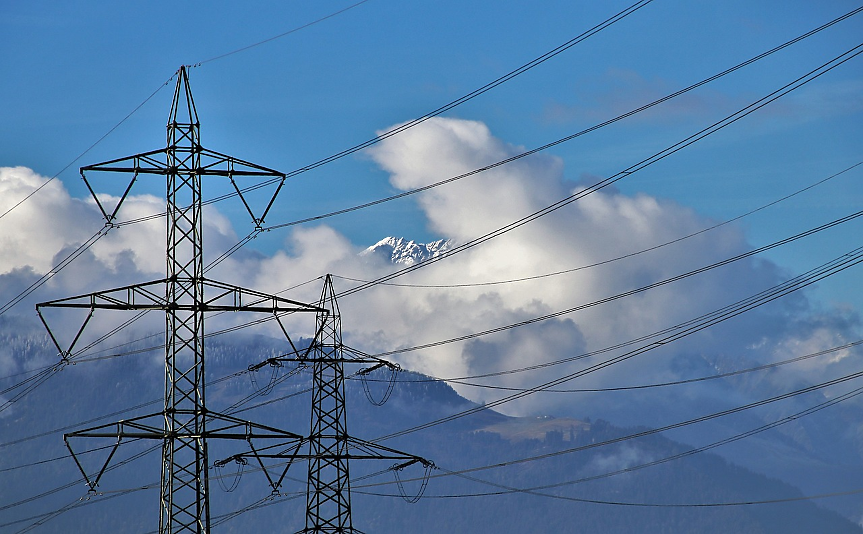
point(131, 297)
point(235, 166)
point(143, 163)
point(251, 300)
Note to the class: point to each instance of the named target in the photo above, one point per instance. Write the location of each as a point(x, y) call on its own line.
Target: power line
point(56, 269)
point(737, 437)
point(91, 147)
point(670, 335)
point(279, 36)
point(509, 490)
point(463, 380)
point(618, 258)
point(682, 424)
point(596, 186)
point(446, 107)
point(442, 109)
point(631, 292)
point(598, 302)
point(567, 138)
point(680, 145)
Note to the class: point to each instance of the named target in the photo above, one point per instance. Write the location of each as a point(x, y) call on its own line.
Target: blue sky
point(72, 72)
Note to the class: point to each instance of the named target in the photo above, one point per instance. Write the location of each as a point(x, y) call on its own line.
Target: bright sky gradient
point(73, 71)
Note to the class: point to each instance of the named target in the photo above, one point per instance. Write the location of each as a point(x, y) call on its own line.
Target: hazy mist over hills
point(86, 391)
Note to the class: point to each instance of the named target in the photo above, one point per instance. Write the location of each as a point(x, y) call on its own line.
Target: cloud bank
point(600, 227)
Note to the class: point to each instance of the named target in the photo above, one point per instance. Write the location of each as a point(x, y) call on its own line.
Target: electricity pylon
point(330, 447)
point(185, 295)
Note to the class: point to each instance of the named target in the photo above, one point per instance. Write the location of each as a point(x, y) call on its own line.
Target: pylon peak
point(183, 109)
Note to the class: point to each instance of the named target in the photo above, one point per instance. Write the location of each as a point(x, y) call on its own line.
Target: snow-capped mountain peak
point(401, 250)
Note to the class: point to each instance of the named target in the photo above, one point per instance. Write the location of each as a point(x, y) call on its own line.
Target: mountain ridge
point(398, 250)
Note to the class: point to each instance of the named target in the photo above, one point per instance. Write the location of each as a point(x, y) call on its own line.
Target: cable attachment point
point(363, 374)
point(428, 465)
point(65, 359)
point(275, 365)
point(241, 464)
point(91, 492)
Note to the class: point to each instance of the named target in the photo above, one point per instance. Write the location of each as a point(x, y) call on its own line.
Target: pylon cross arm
point(148, 295)
point(151, 427)
point(223, 297)
point(242, 299)
point(367, 451)
point(212, 163)
point(144, 163)
point(376, 450)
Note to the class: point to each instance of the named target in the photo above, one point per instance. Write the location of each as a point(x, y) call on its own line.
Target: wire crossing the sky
point(680, 145)
point(661, 338)
point(446, 107)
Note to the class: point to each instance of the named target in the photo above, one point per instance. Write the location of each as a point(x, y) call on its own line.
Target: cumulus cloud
point(52, 225)
point(602, 226)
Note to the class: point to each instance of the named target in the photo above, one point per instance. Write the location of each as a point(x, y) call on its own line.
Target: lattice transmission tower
point(330, 447)
point(185, 296)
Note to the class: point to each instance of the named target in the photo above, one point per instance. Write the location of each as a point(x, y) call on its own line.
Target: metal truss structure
point(185, 296)
point(330, 447)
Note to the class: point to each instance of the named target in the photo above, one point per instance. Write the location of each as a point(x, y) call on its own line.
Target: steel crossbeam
point(184, 295)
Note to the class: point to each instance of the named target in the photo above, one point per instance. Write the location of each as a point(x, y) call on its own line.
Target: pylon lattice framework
point(184, 421)
point(330, 447)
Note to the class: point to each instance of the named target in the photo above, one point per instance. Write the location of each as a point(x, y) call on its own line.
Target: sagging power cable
point(669, 335)
point(680, 145)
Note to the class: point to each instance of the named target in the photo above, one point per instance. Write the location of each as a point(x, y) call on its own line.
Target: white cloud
point(37, 229)
point(602, 226)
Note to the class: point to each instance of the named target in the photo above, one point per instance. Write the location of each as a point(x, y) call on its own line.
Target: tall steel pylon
point(328, 495)
point(330, 447)
point(186, 423)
